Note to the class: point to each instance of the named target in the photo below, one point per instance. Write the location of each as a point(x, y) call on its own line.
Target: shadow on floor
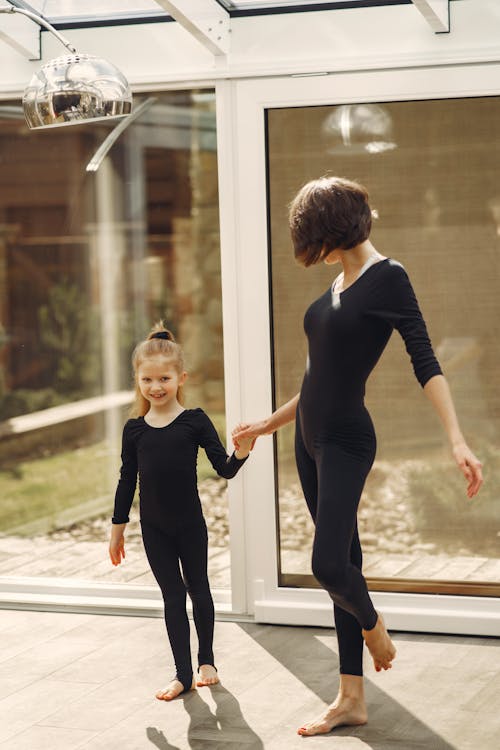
point(208, 729)
point(158, 739)
point(390, 725)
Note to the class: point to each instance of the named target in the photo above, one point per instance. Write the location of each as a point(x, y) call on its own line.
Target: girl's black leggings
point(165, 553)
point(332, 472)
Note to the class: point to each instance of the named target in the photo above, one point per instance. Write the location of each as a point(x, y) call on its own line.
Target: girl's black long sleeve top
point(165, 459)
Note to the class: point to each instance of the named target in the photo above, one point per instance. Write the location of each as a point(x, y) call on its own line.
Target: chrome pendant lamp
point(74, 88)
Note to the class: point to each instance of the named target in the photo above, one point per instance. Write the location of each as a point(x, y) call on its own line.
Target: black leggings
point(332, 472)
point(164, 552)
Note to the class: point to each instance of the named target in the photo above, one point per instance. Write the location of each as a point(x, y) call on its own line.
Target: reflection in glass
point(437, 198)
point(88, 260)
point(355, 128)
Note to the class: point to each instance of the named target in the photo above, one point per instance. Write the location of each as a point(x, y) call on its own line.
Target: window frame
point(250, 99)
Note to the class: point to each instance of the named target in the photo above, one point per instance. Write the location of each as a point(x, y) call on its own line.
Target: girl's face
point(159, 380)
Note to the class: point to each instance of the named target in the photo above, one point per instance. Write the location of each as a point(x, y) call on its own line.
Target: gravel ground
point(384, 521)
point(214, 501)
point(409, 506)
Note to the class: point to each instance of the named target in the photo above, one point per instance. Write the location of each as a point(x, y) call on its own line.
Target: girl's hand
point(244, 446)
point(117, 544)
point(470, 467)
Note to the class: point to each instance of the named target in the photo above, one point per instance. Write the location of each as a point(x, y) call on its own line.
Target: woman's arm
point(438, 392)
point(278, 418)
point(401, 309)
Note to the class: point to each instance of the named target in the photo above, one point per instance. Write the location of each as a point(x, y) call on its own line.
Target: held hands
point(470, 467)
point(117, 543)
point(244, 447)
point(243, 444)
point(248, 431)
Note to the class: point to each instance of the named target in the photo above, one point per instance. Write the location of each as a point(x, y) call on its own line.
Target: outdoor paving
point(85, 560)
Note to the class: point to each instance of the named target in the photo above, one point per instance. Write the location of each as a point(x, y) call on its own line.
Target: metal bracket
point(20, 34)
point(436, 12)
point(206, 20)
point(20, 46)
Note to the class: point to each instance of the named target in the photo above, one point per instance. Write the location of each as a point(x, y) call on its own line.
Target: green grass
point(43, 488)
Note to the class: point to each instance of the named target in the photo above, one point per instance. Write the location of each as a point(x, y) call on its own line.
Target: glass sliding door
point(88, 261)
point(431, 168)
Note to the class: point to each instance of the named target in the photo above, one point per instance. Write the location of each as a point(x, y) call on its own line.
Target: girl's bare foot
point(207, 675)
point(344, 711)
point(380, 645)
point(173, 689)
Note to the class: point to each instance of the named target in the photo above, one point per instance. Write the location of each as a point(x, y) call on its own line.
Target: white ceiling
point(436, 12)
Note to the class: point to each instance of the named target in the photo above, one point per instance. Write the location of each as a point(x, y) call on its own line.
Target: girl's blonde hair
point(159, 343)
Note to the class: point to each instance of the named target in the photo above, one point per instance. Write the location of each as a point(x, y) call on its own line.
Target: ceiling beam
point(205, 19)
point(436, 12)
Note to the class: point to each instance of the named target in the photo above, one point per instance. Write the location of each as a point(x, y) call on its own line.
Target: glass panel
point(57, 9)
point(431, 169)
point(88, 260)
point(263, 4)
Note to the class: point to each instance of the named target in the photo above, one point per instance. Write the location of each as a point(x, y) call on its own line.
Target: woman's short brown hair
point(326, 214)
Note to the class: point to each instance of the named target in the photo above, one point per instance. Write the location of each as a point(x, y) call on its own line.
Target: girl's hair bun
point(167, 335)
point(159, 331)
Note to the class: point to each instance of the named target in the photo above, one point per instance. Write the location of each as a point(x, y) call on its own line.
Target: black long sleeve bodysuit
point(335, 441)
point(173, 526)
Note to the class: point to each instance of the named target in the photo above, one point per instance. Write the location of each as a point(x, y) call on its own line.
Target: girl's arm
point(125, 490)
point(278, 418)
point(225, 466)
point(124, 496)
point(437, 391)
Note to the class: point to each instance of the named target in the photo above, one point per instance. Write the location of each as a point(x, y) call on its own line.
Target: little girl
point(161, 445)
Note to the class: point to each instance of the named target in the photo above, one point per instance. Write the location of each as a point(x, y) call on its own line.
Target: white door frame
point(244, 240)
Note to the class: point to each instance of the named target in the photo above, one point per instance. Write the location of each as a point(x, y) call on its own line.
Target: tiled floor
point(87, 681)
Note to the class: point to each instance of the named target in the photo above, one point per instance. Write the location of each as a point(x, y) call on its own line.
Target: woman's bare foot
point(380, 645)
point(173, 689)
point(344, 711)
point(207, 675)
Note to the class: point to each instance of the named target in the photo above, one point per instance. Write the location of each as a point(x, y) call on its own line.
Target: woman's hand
point(117, 543)
point(278, 418)
point(438, 392)
point(248, 431)
point(470, 467)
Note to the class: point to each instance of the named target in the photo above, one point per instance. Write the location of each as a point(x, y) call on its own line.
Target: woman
point(348, 328)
